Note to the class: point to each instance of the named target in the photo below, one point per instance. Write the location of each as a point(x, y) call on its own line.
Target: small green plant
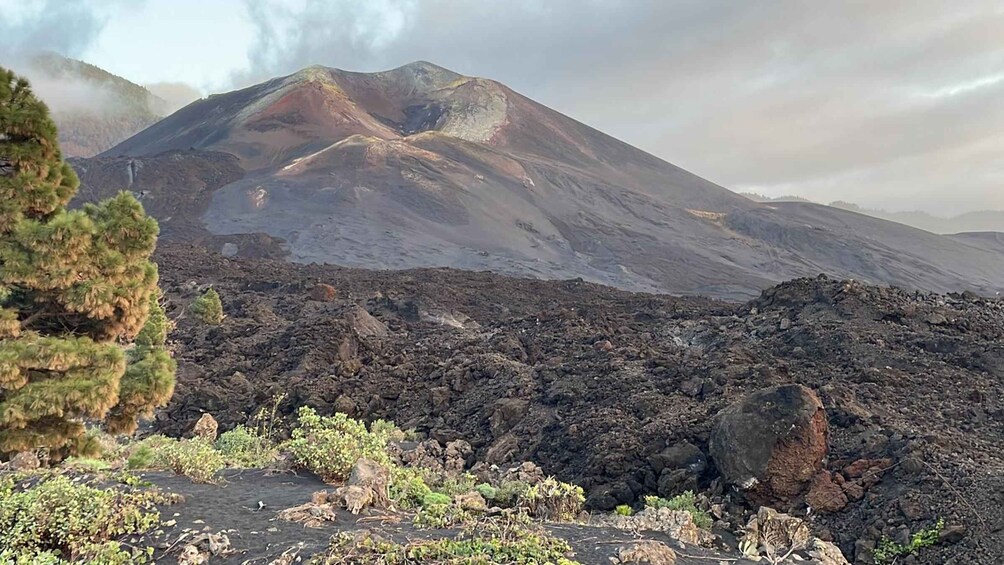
point(686, 502)
point(86, 465)
point(888, 551)
point(244, 448)
point(552, 499)
point(329, 446)
point(60, 520)
point(623, 510)
point(194, 458)
point(509, 539)
point(439, 515)
point(462, 484)
point(209, 308)
point(435, 499)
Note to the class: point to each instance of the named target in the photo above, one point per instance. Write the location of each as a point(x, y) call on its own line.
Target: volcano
point(423, 167)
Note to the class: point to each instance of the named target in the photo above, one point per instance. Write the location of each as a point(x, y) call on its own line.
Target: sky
point(894, 104)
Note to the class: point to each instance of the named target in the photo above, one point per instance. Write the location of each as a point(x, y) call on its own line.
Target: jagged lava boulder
point(771, 443)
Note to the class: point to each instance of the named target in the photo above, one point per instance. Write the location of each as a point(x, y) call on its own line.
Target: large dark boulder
point(771, 443)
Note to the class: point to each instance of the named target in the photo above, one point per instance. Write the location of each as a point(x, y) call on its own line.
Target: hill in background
point(93, 108)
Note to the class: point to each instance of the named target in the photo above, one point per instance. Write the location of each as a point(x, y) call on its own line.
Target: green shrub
point(243, 448)
point(623, 510)
point(143, 454)
point(686, 502)
point(329, 446)
point(388, 429)
point(142, 458)
point(408, 487)
point(59, 520)
point(508, 494)
point(208, 308)
point(194, 458)
point(889, 551)
point(487, 491)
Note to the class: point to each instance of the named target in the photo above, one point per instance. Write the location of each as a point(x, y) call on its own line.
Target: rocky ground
point(617, 391)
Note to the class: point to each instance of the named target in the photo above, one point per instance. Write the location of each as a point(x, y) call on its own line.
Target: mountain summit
point(420, 166)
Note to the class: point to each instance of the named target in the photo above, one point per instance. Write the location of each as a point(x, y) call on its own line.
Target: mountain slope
point(93, 108)
point(420, 166)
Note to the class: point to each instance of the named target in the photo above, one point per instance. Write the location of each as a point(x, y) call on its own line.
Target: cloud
point(175, 94)
point(893, 104)
point(63, 26)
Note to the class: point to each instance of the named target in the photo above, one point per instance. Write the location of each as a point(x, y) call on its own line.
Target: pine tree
point(76, 286)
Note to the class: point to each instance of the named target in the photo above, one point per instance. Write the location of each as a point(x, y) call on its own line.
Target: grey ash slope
point(420, 166)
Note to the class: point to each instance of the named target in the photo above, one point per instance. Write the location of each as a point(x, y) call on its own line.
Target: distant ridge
point(93, 108)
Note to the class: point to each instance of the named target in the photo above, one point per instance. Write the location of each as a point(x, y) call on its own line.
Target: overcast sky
point(889, 104)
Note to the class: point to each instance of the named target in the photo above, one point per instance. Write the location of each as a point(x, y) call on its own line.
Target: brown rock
point(457, 453)
point(952, 534)
point(471, 501)
point(440, 397)
point(772, 442)
point(911, 509)
point(323, 293)
point(508, 411)
point(376, 477)
point(647, 551)
point(311, 514)
point(862, 467)
point(853, 490)
point(603, 345)
point(346, 405)
point(824, 495)
point(206, 427)
point(364, 324)
point(25, 461)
